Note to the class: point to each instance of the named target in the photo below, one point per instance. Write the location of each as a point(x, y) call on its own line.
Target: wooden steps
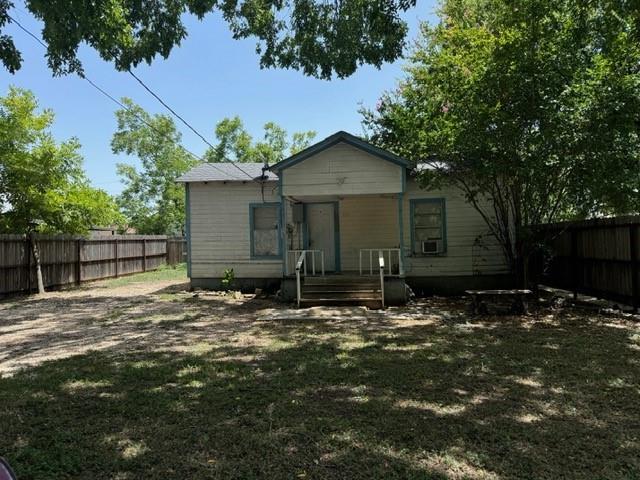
point(341, 290)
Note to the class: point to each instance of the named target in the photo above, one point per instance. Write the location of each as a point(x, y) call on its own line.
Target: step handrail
point(313, 253)
point(299, 263)
point(381, 267)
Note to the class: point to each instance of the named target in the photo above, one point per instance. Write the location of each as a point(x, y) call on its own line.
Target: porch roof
point(339, 137)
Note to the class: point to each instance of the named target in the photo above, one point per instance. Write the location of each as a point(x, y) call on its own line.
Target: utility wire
point(157, 97)
point(122, 105)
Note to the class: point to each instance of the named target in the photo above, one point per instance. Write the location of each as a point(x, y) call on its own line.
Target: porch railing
point(393, 264)
point(312, 261)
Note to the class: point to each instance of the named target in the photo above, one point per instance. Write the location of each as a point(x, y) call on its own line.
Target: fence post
point(635, 266)
point(79, 261)
point(117, 258)
point(574, 262)
point(144, 255)
point(28, 253)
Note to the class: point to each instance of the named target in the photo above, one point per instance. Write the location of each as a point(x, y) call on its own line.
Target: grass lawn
point(422, 392)
point(164, 272)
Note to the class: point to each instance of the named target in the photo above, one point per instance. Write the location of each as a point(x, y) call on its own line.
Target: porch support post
point(285, 240)
point(283, 227)
point(401, 230)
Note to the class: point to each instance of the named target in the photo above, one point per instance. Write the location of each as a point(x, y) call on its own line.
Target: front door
point(321, 232)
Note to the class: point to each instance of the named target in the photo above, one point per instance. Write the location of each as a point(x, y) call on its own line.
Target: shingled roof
point(226, 172)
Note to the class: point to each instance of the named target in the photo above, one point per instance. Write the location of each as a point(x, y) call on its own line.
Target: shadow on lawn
point(41, 329)
point(489, 399)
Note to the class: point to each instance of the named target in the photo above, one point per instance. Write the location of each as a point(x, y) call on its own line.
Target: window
point(428, 226)
point(265, 230)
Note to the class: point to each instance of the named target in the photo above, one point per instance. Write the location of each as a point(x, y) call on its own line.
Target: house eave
point(339, 137)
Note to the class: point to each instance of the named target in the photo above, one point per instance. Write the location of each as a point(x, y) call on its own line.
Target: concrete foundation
point(395, 292)
point(245, 285)
point(456, 285)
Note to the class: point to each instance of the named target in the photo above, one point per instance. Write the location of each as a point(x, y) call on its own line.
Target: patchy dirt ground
point(110, 382)
point(159, 315)
point(125, 318)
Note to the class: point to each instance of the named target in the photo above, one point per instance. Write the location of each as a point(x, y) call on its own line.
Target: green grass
point(546, 397)
point(164, 272)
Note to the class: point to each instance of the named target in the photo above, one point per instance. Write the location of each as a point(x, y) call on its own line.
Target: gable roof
point(339, 137)
point(226, 172)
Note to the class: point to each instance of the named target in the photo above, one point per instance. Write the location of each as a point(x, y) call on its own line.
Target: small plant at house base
point(227, 279)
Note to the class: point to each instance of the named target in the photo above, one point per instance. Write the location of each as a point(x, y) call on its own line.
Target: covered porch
point(347, 235)
point(344, 249)
point(342, 216)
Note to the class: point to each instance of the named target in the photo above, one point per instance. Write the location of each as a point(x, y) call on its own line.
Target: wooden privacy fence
point(596, 257)
point(72, 259)
point(176, 250)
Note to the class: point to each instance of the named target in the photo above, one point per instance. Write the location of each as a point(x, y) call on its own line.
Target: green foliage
point(530, 107)
point(228, 277)
point(236, 144)
point(152, 201)
point(41, 180)
point(317, 37)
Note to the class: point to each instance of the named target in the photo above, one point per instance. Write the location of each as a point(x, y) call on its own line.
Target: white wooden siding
point(367, 222)
point(342, 170)
point(220, 237)
point(471, 250)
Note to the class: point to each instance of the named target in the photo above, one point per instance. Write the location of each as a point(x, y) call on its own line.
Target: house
point(338, 222)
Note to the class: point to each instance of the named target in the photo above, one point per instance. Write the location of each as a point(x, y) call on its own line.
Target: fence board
point(176, 250)
point(67, 259)
point(596, 257)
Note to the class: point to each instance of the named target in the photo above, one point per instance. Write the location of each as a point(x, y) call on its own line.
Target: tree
point(42, 184)
point(236, 144)
point(529, 107)
point(318, 37)
point(42, 180)
point(152, 201)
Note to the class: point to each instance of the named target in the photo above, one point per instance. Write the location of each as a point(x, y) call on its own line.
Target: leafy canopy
point(318, 37)
point(236, 144)
point(41, 180)
point(152, 201)
point(529, 107)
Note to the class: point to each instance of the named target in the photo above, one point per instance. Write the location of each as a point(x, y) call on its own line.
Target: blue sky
point(209, 77)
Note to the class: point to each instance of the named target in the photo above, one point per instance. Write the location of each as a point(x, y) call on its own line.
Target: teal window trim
point(412, 204)
point(252, 208)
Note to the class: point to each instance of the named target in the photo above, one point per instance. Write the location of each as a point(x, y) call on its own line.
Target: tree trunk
point(36, 257)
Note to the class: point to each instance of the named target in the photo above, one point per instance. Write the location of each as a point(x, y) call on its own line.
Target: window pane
point(265, 230)
point(265, 218)
point(428, 207)
point(428, 234)
point(427, 223)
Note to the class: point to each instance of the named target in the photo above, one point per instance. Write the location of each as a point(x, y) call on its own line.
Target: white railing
point(298, 268)
point(381, 269)
point(312, 259)
point(391, 269)
point(301, 259)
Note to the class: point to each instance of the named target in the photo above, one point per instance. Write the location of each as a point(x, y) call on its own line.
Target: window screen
point(427, 222)
point(265, 235)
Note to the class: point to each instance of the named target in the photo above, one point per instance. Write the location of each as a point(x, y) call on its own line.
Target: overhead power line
point(179, 117)
point(127, 108)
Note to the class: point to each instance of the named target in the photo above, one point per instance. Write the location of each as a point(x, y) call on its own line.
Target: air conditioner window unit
point(432, 247)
